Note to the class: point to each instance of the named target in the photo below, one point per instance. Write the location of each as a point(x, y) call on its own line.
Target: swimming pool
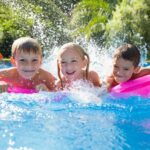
point(4, 64)
point(39, 122)
point(60, 121)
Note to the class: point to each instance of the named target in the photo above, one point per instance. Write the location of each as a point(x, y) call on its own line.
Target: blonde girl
point(73, 64)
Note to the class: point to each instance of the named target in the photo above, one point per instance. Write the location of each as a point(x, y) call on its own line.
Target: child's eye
point(63, 62)
point(126, 69)
point(34, 60)
point(74, 61)
point(22, 60)
point(115, 66)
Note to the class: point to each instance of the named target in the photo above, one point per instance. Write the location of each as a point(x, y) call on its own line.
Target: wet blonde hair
point(26, 44)
point(82, 54)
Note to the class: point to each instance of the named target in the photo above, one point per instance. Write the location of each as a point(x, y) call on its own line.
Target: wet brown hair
point(26, 44)
point(128, 52)
point(81, 52)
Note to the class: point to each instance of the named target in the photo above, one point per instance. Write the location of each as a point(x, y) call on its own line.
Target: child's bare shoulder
point(94, 77)
point(9, 72)
point(47, 78)
point(143, 71)
point(58, 85)
point(146, 70)
point(93, 74)
point(45, 74)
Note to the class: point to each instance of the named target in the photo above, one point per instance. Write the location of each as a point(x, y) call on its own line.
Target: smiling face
point(27, 63)
point(123, 69)
point(71, 64)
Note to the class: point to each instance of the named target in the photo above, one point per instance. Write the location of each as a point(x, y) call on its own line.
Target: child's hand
point(42, 87)
point(3, 86)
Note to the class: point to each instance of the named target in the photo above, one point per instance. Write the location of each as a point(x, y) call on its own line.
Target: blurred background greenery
point(54, 22)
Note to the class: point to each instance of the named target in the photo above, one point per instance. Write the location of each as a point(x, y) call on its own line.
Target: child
point(27, 74)
point(126, 66)
point(73, 64)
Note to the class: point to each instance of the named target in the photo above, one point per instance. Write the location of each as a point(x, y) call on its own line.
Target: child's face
point(123, 70)
point(27, 64)
point(71, 64)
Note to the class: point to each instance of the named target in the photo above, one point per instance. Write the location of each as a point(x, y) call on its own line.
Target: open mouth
point(70, 73)
point(119, 78)
point(28, 71)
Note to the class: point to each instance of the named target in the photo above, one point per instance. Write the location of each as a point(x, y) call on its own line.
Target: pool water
point(41, 121)
point(73, 121)
point(5, 65)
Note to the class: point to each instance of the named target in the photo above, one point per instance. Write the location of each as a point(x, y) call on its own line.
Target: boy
point(126, 66)
point(26, 73)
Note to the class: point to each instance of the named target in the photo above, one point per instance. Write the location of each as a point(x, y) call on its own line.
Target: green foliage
point(10, 23)
point(89, 17)
point(55, 21)
point(41, 19)
point(130, 22)
point(52, 21)
point(66, 5)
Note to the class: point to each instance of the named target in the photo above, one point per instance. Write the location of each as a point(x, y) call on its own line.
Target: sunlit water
point(73, 121)
point(88, 119)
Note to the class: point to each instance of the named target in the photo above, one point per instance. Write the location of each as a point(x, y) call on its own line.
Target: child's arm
point(3, 86)
point(6, 75)
point(41, 87)
point(110, 82)
point(47, 81)
point(51, 82)
point(94, 78)
point(58, 85)
point(143, 72)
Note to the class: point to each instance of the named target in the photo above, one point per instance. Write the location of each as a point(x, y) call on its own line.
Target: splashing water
point(42, 120)
point(85, 118)
point(100, 57)
point(46, 35)
point(38, 27)
point(80, 119)
point(100, 61)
